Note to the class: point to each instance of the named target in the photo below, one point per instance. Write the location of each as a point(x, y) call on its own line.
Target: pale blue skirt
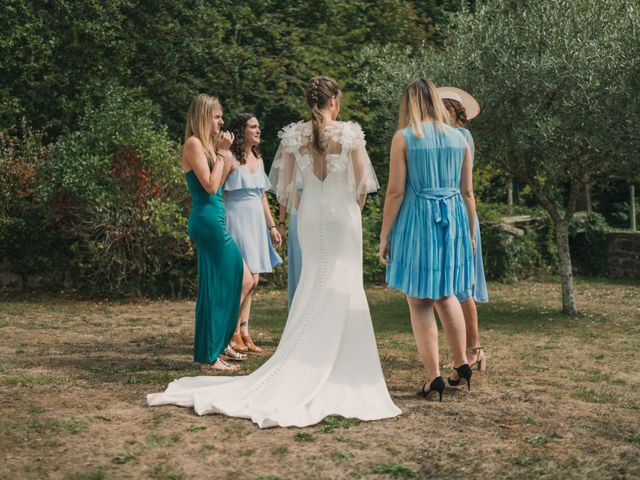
point(479, 291)
point(294, 256)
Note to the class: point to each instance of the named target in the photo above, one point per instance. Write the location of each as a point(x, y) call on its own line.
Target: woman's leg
point(245, 297)
point(425, 332)
point(452, 320)
point(471, 322)
point(245, 307)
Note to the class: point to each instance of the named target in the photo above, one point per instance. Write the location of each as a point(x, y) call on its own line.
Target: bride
point(327, 361)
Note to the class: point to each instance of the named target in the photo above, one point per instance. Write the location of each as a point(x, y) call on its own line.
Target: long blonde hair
point(421, 103)
point(199, 121)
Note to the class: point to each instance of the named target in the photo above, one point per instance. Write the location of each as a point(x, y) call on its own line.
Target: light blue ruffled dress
point(479, 290)
point(245, 218)
point(430, 243)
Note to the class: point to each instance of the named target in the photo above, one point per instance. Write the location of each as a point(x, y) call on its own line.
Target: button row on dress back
point(311, 312)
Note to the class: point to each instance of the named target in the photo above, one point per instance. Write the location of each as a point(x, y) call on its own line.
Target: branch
point(577, 184)
point(543, 197)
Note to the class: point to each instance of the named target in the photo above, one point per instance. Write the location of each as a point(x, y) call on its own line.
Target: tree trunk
point(632, 201)
point(564, 264)
point(587, 193)
point(510, 194)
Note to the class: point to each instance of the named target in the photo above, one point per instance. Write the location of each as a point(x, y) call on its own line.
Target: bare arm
point(230, 164)
point(276, 238)
point(357, 157)
point(194, 157)
point(466, 188)
point(282, 217)
point(396, 185)
point(267, 211)
point(395, 191)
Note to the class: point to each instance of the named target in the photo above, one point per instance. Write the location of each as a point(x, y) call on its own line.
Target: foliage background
point(92, 103)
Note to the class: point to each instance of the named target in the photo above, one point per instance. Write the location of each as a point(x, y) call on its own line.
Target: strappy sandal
point(231, 354)
point(481, 361)
point(219, 365)
point(237, 344)
point(246, 339)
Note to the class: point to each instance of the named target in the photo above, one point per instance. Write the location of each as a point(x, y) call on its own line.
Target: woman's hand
point(282, 228)
point(383, 251)
point(473, 245)
point(276, 238)
point(225, 139)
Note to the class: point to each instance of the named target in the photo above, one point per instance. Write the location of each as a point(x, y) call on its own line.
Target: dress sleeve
point(361, 174)
point(283, 169)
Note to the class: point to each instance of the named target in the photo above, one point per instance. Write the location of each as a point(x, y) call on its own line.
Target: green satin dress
point(220, 273)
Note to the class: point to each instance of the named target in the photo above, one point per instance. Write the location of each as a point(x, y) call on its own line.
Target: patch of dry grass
point(560, 399)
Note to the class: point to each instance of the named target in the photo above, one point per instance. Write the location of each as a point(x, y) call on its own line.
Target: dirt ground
point(560, 398)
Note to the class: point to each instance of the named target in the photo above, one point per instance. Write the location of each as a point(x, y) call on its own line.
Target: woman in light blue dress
point(249, 218)
point(294, 254)
point(427, 232)
point(462, 108)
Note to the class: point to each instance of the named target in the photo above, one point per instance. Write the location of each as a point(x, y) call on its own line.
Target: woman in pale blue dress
point(427, 232)
point(249, 218)
point(462, 108)
point(294, 254)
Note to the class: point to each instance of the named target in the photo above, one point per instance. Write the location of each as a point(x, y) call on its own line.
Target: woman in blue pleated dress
point(462, 108)
point(427, 234)
point(249, 218)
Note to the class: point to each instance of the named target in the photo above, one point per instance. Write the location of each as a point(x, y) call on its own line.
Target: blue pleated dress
point(430, 243)
point(479, 291)
point(245, 218)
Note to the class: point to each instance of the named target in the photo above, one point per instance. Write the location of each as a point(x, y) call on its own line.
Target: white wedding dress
point(327, 360)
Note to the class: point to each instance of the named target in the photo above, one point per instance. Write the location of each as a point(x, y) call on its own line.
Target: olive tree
point(549, 75)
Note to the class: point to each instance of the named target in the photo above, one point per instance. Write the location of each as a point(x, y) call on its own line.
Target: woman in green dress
point(221, 282)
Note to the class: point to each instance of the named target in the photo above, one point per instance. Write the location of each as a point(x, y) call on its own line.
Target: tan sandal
point(237, 344)
point(219, 365)
point(246, 339)
point(481, 361)
point(231, 354)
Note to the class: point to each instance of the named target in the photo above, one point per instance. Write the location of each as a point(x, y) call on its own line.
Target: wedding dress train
point(327, 360)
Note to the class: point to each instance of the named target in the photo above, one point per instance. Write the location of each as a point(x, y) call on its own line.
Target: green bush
point(27, 238)
point(119, 199)
point(509, 253)
point(588, 243)
point(621, 214)
point(371, 223)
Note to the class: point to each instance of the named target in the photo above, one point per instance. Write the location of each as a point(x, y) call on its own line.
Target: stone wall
point(623, 255)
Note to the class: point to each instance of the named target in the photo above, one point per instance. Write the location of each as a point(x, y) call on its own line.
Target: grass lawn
point(560, 398)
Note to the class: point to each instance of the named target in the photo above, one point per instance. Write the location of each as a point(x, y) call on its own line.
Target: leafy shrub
point(120, 201)
point(588, 243)
point(27, 239)
point(371, 223)
point(621, 214)
point(509, 253)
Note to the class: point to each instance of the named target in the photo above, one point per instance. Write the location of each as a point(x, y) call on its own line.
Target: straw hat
point(470, 104)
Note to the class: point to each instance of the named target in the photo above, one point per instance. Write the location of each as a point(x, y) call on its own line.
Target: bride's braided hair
point(319, 91)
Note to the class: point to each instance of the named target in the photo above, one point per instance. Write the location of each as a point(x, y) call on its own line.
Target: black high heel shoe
point(464, 371)
point(437, 385)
